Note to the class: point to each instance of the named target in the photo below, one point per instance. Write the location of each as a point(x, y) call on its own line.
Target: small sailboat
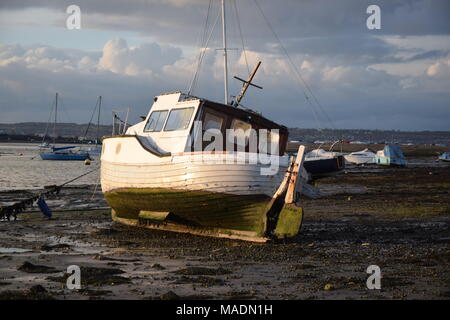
point(96, 148)
point(52, 152)
point(445, 157)
point(391, 155)
point(64, 153)
point(207, 168)
point(365, 156)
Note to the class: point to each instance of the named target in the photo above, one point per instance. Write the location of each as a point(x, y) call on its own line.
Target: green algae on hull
point(200, 212)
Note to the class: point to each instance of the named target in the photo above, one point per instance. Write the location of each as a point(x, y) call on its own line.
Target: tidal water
point(22, 168)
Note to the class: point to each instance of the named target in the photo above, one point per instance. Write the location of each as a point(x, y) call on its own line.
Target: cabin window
point(179, 119)
point(156, 121)
point(241, 132)
point(212, 122)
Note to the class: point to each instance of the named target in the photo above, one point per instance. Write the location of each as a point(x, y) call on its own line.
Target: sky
point(322, 67)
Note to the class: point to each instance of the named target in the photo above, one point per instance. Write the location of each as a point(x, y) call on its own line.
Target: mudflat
point(395, 218)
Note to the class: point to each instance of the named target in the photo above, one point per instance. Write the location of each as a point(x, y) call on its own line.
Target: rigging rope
point(203, 55)
point(48, 121)
point(200, 47)
point(296, 72)
point(241, 35)
point(92, 116)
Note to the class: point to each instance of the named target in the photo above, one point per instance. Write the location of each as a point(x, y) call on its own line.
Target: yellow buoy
point(87, 162)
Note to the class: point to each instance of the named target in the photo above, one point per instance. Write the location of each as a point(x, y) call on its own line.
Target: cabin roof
point(245, 115)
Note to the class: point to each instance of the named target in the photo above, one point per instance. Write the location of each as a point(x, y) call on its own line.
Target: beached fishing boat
point(391, 155)
point(365, 156)
point(51, 152)
point(207, 168)
point(151, 176)
point(445, 157)
point(320, 163)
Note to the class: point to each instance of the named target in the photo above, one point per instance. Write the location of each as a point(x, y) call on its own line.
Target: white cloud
point(439, 69)
point(144, 59)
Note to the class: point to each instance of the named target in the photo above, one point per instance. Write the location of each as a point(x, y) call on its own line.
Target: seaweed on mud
point(303, 266)
point(240, 295)
point(94, 293)
point(36, 292)
point(170, 295)
point(203, 281)
point(55, 247)
point(104, 231)
point(96, 277)
point(195, 271)
point(34, 268)
point(394, 282)
point(106, 258)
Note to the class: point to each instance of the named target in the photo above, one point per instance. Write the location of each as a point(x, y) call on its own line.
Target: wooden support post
point(284, 184)
point(298, 164)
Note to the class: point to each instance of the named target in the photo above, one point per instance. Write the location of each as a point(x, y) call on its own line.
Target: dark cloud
point(179, 21)
point(328, 39)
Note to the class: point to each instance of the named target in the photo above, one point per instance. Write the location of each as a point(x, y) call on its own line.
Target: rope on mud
point(18, 207)
point(95, 189)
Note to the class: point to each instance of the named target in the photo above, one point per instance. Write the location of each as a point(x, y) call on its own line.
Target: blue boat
point(64, 153)
point(445, 157)
point(48, 152)
point(390, 156)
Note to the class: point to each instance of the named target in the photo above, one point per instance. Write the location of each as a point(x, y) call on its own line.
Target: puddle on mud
point(13, 250)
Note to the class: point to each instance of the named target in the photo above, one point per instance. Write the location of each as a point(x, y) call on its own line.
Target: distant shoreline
point(70, 133)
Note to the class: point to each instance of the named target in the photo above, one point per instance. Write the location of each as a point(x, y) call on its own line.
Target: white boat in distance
point(365, 156)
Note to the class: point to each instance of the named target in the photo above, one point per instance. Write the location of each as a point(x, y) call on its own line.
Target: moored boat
point(445, 157)
point(51, 152)
point(365, 156)
point(64, 153)
point(320, 163)
point(391, 155)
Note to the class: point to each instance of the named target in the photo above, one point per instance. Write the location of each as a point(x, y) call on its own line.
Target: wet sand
point(397, 219)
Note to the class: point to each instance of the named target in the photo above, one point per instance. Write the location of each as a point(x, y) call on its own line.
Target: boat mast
point(98, 117)
point(225, 62)
point(54, 125)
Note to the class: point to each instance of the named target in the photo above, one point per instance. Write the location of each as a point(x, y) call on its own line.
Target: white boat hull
point(193, 192)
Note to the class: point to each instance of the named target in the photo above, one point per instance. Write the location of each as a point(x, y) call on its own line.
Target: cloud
point(145, 59)
point(386, 78)
point(171, 21)
point(439, 69)
point(131, 76)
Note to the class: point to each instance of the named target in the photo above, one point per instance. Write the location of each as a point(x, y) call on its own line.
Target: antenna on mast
point(246, 84)
point(56, 116)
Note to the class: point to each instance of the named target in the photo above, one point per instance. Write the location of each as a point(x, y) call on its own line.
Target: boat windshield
point(179, 119)
point(156, 121)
